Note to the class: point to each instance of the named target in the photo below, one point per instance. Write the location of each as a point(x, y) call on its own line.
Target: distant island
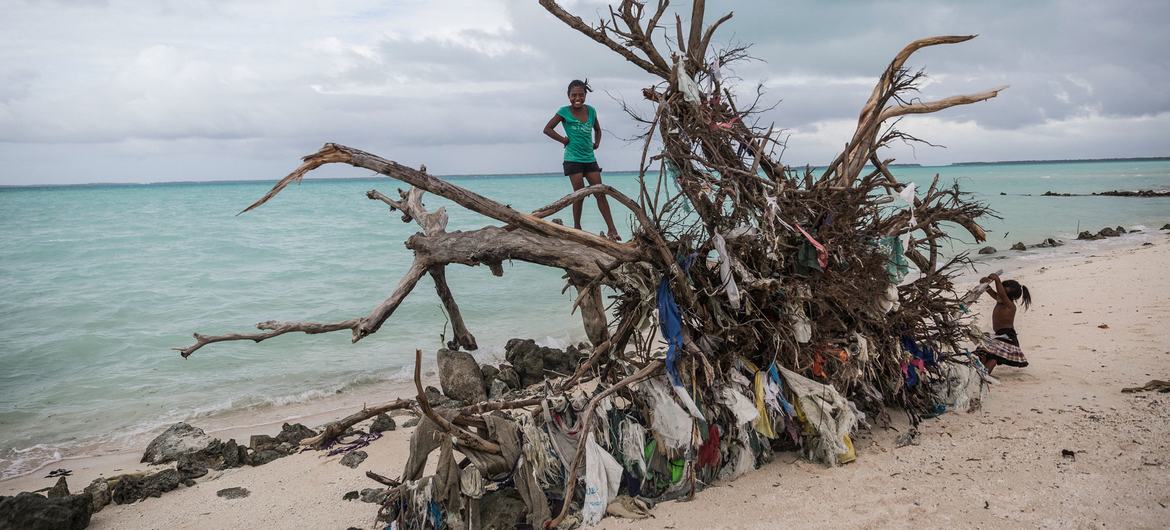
point(1073, 161)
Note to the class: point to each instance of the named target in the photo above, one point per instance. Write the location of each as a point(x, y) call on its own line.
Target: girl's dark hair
point(1015, 291)
point(577, 82)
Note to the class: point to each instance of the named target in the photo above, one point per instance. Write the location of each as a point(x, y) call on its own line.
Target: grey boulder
point(374, 495)
point(354, 459)
point(460, 376)
point(509, 376)
point(497, 390)
point(99, 491)
point(382, 423)
point(233, 493)
point(178, 439)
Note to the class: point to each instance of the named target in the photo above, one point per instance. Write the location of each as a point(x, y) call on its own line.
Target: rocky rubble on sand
point(192, 454)
point(1087, 235)
point(465, 381)
point(31, 511)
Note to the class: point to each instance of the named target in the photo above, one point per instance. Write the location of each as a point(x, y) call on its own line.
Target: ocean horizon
point(98, 282)
point(558, 174)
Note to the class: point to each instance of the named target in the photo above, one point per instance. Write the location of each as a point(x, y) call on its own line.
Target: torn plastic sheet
point(668, 420)
point(633, 443)
point(775, 391)
point(826, 414)
point(862, 348)
point(739, 404)
point(725, 270)
point(978, 290)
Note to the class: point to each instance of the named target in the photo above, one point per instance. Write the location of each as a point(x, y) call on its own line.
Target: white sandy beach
point(999, 467)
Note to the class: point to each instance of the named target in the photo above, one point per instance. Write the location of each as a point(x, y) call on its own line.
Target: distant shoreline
point(1071, 161)
point(463, 176)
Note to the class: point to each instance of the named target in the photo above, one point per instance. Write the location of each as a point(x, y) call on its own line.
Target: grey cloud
point(1035, 47)
point(16, 84)
point(233, 87)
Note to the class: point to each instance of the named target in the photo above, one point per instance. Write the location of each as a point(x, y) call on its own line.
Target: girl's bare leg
point(578, 183)
point(594, 178)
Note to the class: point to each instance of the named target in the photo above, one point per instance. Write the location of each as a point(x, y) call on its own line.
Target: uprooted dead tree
point(757, 308)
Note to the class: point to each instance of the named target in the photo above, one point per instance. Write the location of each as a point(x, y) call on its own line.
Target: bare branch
point(599, 36)
point(412, 209)
point(374, 320)
point(706, 42)
point(694, 42)
point(335, 153)
point(463, 337)
point(935, 106)
point(275, 329)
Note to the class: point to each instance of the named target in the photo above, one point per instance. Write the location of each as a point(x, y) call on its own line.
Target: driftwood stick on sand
point(334, 429)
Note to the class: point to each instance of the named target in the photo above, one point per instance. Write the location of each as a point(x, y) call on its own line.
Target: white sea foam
point(17, 462)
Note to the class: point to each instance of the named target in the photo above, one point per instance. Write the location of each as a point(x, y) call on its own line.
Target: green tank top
point(580, 135)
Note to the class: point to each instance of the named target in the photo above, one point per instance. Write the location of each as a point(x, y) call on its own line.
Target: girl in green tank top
point(582, 138)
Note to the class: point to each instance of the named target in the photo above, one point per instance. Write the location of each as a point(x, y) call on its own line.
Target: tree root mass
point(764, 280)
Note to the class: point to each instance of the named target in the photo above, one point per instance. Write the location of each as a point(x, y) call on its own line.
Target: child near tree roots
point(1004, 346)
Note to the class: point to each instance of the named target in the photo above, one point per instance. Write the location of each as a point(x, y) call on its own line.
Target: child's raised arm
point(550, 131)
point(1000, 293)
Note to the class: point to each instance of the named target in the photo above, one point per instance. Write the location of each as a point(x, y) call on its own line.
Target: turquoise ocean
point(99, 282)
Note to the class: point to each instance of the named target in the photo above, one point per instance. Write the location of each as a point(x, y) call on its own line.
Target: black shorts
point(573, 168)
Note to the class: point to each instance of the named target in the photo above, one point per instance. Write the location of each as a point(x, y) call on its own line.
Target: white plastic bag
point(686, 85)
point(888, 301)
point(907, 194)
point(603, 475)
point(801, 325)
point(725, 270)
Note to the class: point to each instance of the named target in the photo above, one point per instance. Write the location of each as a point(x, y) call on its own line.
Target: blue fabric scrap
point(436, 514)
point(775, 375)
point(671, 324)
point(924, 352)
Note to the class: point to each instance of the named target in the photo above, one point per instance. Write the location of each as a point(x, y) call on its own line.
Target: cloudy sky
point(164, 90)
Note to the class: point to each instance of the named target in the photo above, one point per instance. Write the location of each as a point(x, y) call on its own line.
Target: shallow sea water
point(98, 283)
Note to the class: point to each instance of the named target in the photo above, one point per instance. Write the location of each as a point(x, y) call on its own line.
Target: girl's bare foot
point(613, 235)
